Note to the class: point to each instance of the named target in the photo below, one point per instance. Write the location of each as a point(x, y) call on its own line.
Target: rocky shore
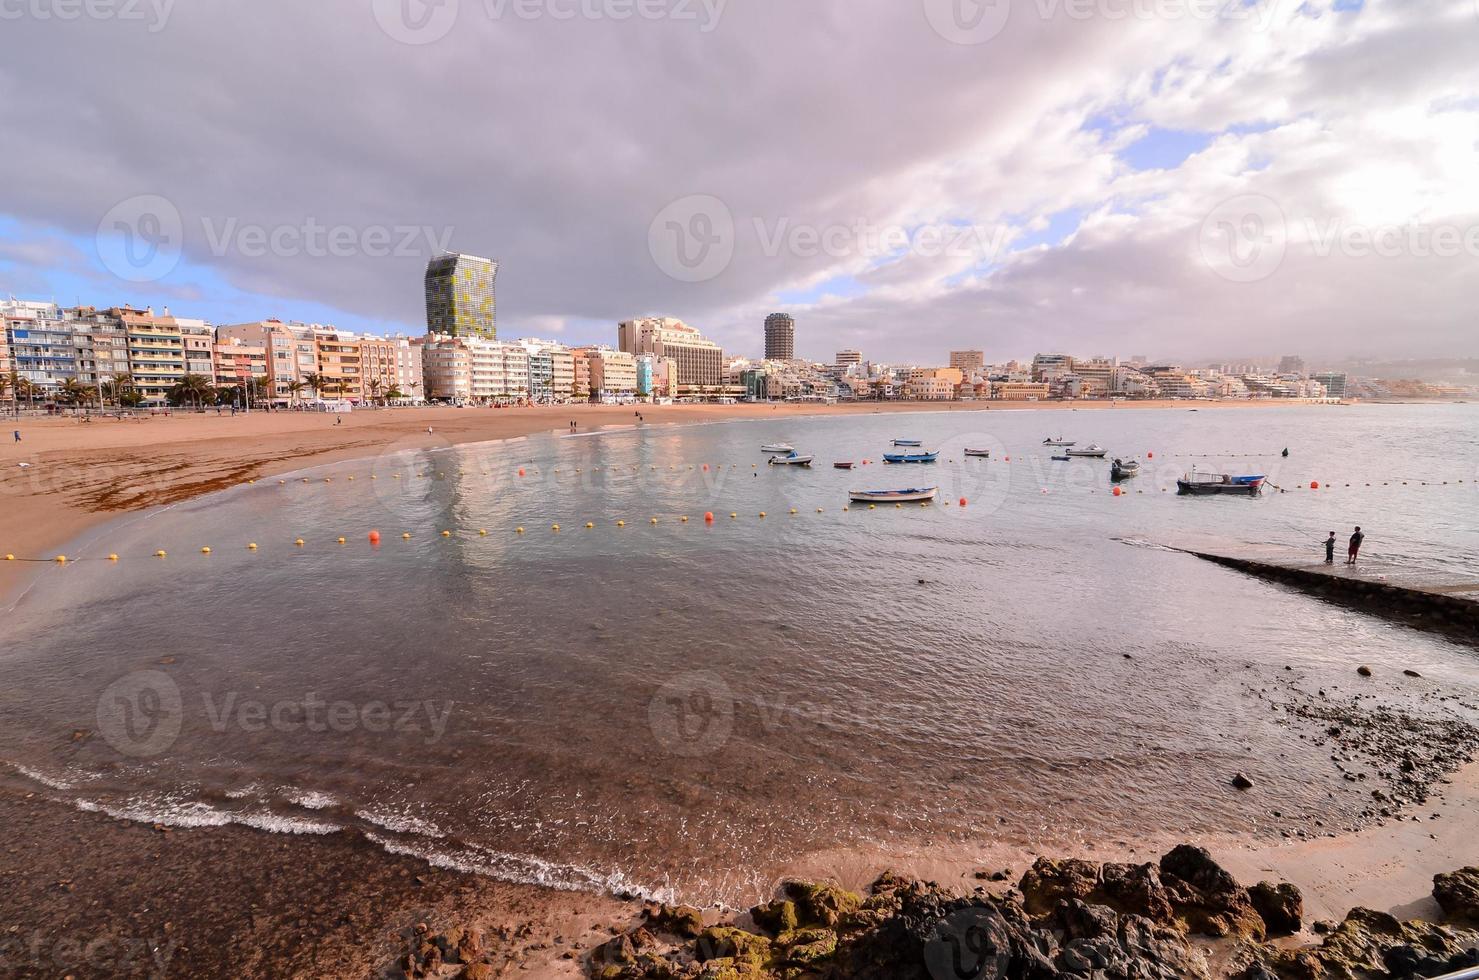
point(1183, 917)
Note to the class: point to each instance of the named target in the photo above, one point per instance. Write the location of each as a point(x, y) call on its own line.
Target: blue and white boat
point(908, 442)
point(790, 459)
point(920, 457)
point(912, 495)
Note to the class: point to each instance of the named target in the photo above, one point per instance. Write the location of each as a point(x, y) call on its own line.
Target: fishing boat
point(920, 457)
point(893, 496)
point(907, 442)
point(790, 459)
point(778, 447)
point(1210, 484)
point(1060, 441)
point(1089, 452)
point(1121, 470)
point(978, 452)
point(842, 466)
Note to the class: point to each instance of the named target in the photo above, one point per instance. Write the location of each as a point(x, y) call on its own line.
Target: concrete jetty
point(1422, 597)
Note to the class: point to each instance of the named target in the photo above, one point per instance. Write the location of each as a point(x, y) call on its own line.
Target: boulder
point(678, 920)
point(1279, 905)
point(776, 917)
point(1205, 898)
point(1458, 893)
point(820, 904)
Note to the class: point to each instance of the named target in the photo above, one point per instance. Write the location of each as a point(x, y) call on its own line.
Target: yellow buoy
point(252, 546)
point(653, 521)
point(341, 540)
point(328, 479)
point(871, 507)
point(590, 524)
point(482, 532)
point(299, 542)
point(762, 513)
point(518, 530)
point(10, 557)
point(406, 536)
point(112, 557)
point(793, 510)
point(206, 550)
point(683, 519)
point(351, 479)
point(733, 515)
point(621, 523)
point(819, 510)
point(554, 527)
point(61, 559)
point(446, 534)
point(160, 553)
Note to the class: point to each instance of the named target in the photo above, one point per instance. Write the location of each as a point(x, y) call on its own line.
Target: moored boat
point(978, 452)
point(1123, 470)
point(778, 447)
point(1062, 459)
point(1060, 441)
point(790, 459)
point(1212, 484)
point(1089, 452)
point(911, 495)
point(842, 466)
point(908, 442)
point(911, 457)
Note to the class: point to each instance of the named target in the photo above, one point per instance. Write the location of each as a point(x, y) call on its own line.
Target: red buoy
point(1117, 491)
point(1314, 484)
point(374, 537)
point(521, 471)
point(962, 501)
point(709, 516)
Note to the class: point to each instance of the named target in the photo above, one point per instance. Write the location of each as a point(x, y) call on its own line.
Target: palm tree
point(394, 394)
point(192, 388)
point(295, 388)
point(23, 388)
point(74, 393)
point(413, 385)
point(6, 381)
point(373, 388)
point(315, 381)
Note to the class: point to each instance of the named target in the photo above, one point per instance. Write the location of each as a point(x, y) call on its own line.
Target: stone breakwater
point(1182, 918)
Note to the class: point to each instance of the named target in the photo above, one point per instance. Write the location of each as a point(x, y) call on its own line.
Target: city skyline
point(1087, 218)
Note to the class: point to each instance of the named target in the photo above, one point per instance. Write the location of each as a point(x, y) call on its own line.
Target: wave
point(174, 812)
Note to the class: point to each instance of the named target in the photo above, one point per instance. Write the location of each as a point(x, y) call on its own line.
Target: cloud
point(551, 143)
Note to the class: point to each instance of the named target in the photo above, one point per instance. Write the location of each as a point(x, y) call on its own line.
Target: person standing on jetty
point(1355, 548)
point(1330, 549)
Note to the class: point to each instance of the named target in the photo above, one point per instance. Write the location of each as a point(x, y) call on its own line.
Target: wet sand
point(87, 895)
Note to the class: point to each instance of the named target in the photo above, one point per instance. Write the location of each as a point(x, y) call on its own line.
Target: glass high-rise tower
point(459, 295)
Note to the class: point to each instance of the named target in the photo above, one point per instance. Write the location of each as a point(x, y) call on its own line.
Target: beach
point(339, 904)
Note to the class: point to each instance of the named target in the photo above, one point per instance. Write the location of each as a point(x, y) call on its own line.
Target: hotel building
point(699, 361)
point(780, 337)
point(460, 296)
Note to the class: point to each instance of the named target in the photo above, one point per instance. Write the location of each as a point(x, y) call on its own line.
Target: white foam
point(310, 799)
point(55, 782)
point(401, 823)
point(192, 813)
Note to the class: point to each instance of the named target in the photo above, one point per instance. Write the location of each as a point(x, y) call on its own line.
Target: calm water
point(695, 706)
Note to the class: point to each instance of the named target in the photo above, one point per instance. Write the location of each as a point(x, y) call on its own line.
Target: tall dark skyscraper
point(780, 337)
point(459, 295)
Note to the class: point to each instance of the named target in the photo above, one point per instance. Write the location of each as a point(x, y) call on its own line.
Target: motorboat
point(1062, 459)
point(1122, 470)
point(983, 453)
point(1089, 452)
point(842, 465)
point(920, 457)
point(908, 442)
point(790, 459)
point(1060, 441)
point(913, 495)
point(778, 447)
point(1212, 484)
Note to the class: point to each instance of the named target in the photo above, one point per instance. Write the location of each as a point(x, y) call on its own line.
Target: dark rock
point(1242, 782)
point(1206, 898)
point(1279, 905)
point(1364, 671)
point(1458, 893)
point(679, 920)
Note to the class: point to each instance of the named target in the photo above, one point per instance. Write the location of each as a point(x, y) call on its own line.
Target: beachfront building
point(699, 362)
point(1335, 383)
point(1051, 367)
point(474, 370)
point(241, 367)
point(968, 362)
point(933, 384)
point(780, 337)
point(282, 347)
point(1019, 391)
point(460, 296)
point(41, 351)
point(390, 369)
point(580, 363)
point(198, 341)
point(446, 364)
point(156, 351)
point(613, 374)
point(657, 377)
point(102, 352)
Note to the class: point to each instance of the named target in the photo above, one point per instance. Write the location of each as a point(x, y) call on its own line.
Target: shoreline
point(363, 903)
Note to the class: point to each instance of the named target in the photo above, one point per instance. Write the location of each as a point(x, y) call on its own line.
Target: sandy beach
point(149, 901)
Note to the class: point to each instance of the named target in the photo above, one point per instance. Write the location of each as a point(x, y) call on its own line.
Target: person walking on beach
point(17, 435)
point(1355, 548)
point(1330, 549)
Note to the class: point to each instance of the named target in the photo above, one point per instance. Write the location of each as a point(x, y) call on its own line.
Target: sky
point(1202, 180)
